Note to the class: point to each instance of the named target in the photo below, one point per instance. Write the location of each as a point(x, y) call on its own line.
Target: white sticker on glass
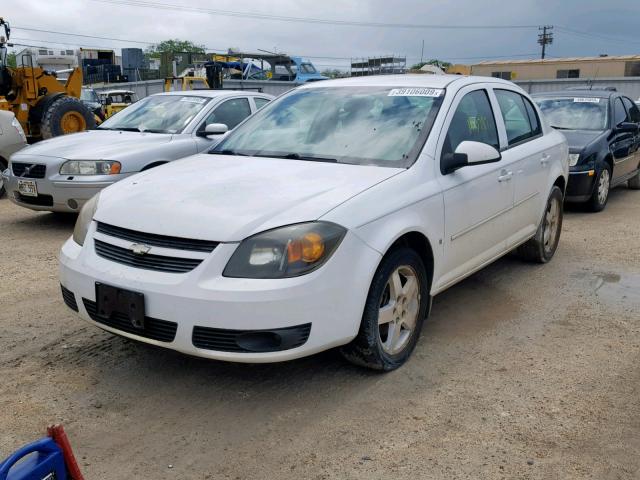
point(416, 92)
point(586, 100)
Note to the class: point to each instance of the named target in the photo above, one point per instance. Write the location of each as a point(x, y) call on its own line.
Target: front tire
point(397, 304)
point(66, 115)
point(600, 195)
point(543, 245)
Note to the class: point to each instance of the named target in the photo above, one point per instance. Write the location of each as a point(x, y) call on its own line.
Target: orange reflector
point(115, 168)
point(592, 173)
point(308, 248)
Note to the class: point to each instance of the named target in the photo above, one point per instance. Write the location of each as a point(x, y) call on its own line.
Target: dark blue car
point(603, 131)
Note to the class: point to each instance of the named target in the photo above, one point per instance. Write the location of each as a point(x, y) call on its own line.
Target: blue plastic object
point(41, 460)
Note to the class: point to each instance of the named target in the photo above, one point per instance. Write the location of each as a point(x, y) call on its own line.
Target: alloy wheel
point(603, 186)
point(399, 308)
point(551, 224)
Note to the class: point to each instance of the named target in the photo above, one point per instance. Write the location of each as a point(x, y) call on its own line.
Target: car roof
point(213, 93)
point(408, 80)
point(115, 92)
point(578, 93)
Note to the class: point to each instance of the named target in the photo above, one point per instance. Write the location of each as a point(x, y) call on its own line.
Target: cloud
point(320, 40)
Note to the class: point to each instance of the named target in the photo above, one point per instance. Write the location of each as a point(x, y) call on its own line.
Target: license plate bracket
point(112, 300)
point(28, 188)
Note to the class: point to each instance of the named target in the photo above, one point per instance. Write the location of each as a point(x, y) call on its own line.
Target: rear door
point(476, 198)
point(527, 157)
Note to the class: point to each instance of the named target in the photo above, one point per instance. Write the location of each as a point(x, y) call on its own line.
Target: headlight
point(573, 159)
point(285, 252)
point(90, 167)
point(84, 219)
point(18, 127)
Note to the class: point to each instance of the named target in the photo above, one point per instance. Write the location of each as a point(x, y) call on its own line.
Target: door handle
point(505, 176)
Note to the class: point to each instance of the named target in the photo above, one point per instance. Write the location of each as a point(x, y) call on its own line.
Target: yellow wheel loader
point(44, 106)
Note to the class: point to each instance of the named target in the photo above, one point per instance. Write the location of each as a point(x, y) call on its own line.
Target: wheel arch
point(561, 183)
point(154, 164)
point(418, 242)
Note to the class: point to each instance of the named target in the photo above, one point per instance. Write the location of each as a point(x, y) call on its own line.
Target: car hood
point(97, 145)
point(228, 198)
point(579, 139)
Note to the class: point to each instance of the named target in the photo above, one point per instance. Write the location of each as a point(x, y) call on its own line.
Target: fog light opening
point(72, 204)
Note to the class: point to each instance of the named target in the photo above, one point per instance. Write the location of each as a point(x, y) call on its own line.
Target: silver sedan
point(62, 173)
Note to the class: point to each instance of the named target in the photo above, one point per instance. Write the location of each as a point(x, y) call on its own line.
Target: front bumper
point(581, 184)
point(330, 299)
point(56, 193)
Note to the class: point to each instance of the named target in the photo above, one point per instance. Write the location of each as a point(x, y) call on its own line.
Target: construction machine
point(44, 106)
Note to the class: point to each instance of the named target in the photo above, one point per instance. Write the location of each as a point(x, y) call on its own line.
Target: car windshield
point(358, 125)
point(574, 113)
point(157, 114)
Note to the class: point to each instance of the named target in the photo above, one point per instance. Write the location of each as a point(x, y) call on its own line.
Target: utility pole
point(422, 52)
point(545, 38)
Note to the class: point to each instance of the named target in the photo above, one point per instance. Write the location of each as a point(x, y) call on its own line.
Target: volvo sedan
point(328, 219)
point(62, 173)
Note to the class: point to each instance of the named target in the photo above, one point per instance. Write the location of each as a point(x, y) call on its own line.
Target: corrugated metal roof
point(549, 61)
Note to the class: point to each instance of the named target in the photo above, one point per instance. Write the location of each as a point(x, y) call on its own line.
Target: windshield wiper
point(297, 156)
point(560, 128)
point(227, 151)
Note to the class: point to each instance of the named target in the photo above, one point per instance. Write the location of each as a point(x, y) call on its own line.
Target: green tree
point(173, 46)
point(333, 73)
point(434, 61)
point(11, 60)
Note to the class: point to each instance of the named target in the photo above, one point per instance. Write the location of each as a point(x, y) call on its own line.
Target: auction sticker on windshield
point(416, 92)
point(586, 100)
point(193, 99)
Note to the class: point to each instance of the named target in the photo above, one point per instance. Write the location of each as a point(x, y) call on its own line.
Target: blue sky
point(598, 27)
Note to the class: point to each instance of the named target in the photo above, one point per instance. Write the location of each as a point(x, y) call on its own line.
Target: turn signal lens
point(309, 248)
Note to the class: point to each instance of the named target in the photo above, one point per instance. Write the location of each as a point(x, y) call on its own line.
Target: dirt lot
point(523, 371)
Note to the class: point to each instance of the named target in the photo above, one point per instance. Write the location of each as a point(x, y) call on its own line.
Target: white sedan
point(62, 173)
point(330, 218)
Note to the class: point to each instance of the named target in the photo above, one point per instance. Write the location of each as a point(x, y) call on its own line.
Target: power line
point(284, 18)
point(582, 34)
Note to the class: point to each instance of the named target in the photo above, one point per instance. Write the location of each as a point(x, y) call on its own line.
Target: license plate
point(27, 188)
point(113, 300)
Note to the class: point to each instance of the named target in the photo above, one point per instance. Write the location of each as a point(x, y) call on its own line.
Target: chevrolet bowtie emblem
point(140, 249)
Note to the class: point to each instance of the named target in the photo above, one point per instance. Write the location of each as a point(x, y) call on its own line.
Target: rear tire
point(66, 115)
point(397, 304)
point(634, 182)
point(543, 245)
point(600, 194)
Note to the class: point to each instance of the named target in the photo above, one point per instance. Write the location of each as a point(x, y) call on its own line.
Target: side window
point(230, 112)
point(473, 120)
point(260, 102)
point(536, 129)
point(619, 113)
point(519, 116)
point(632, 110)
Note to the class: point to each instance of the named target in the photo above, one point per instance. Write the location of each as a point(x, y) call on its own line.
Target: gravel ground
point(522, 372)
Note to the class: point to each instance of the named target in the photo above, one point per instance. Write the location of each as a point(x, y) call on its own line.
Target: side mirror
point(627, 127)
point(214, 129)
point(469, 153)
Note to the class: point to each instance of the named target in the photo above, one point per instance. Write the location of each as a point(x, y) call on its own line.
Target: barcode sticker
point(586, 100)
point(416, 92)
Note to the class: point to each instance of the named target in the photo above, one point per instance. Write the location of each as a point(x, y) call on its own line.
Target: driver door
point(230, 112)
point(477, 197)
